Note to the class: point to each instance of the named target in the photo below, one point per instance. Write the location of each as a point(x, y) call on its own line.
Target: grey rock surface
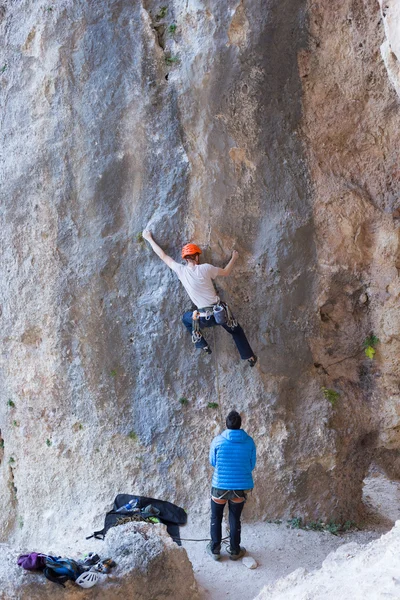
point(359, 571)
point(217, 131)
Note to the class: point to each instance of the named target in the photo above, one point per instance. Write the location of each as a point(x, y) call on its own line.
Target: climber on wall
point(233, 456)
point(197, 281)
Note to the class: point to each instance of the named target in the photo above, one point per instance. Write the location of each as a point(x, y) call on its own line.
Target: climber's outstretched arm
point(147, 235)
point(228, 269)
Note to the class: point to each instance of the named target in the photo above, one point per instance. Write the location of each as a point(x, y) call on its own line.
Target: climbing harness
point(220, 311)
point(235, 494)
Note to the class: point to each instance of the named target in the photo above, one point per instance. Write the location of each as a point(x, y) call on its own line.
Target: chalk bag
point(220, 314)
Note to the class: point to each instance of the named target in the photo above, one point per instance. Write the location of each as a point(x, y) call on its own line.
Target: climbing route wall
point(270, 127)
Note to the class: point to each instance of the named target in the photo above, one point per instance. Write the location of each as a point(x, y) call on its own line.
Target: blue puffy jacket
point(233, 456)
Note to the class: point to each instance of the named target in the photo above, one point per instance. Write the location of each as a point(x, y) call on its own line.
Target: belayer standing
point(233, 456)
point(197, 281)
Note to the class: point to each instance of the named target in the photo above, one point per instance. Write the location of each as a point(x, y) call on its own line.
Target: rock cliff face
point(271, 127)
point(359, 571)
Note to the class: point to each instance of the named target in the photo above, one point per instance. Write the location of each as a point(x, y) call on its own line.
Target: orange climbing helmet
point(190, 250)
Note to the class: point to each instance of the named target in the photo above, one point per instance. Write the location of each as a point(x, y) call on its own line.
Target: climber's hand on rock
point(235, 254)
point(147, 235)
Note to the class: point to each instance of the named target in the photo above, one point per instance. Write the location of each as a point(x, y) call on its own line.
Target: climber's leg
point(187, 321)
point(241, 342)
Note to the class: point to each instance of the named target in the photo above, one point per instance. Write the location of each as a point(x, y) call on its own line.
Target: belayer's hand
point(147, 235)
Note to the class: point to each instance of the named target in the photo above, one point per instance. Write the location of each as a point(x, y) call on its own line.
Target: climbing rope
point(216, 371)
point(202, 540)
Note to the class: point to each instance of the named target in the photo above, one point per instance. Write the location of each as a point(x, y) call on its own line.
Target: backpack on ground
point(60, 570)
point(170, 515)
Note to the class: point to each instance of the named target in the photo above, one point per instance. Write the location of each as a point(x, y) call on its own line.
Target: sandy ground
point(279, 550)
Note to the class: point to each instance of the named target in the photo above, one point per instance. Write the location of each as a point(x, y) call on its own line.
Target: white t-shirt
point(197, 281)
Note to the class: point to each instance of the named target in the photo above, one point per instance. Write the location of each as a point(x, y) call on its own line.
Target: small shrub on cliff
point(295, 523)
point(139, 238)
point(316, 525)
point(331, 526)
point(171, 60)
point(161, 13)
point(3, 68)
point(212, 405)
point(172, 28)
point(48, 442)
point(331, 395)
point(11, 404)
point(184, 401)
point(132, 436)
point(349, 525)
point(370, 344)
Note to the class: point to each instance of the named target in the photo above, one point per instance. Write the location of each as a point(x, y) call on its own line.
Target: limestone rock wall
point(359, 571)
point(351, 127)
point(254, 125)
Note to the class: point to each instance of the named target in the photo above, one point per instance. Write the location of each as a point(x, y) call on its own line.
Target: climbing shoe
point(252, 361)
point(233, 556)
point(213, 555)
point(207, 350)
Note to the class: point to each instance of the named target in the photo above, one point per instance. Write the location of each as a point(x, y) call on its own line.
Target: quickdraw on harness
point(230, 319)
point(222, 314)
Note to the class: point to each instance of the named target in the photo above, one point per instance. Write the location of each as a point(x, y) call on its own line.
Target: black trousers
point(235, 527)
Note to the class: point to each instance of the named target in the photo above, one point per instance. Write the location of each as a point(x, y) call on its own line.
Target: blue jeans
point(237, 333)
point(235, 527)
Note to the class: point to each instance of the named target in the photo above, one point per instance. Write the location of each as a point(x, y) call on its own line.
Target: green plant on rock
point(295, 523)
point(172, 28)
point(113, 372)
point(10, 403)
point(349, 525)
point(171, 60)
point(11, 460)
point(333, 527)
point(15, 423)
point(331, 395)
point(161, 13)
point(1, 444)
point(184, 401)
point(48, 442)
point(212, 405)
point(3, 68)
point(132, 436)
point(139, 237)
point(370, 344)
point(316, 525)
point(274, 521)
